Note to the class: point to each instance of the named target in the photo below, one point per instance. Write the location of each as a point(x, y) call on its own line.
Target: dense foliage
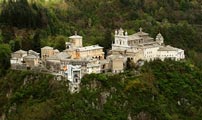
point(164, 90)
point(5, 52)
point(159, 90)
point(40, 23)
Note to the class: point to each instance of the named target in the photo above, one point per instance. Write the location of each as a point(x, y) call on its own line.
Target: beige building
point(17, 57)
point(87, 66)
point(75, 54)
point(22, 59)
point(104, 66)
point(94, 51)
point(76, 50)
point(93, 68)
point(53, 63)
point(116, 63)
point(72, 53)
point(170, 52)
point(76, 41)
point(31, 61)
point(47, 52)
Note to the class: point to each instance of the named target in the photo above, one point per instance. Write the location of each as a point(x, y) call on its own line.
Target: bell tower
point(160, 39)
point(121, 38)
point(76, 40)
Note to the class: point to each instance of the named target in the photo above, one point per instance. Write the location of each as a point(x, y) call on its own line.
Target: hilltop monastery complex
point(140, 46)
point(77, 60)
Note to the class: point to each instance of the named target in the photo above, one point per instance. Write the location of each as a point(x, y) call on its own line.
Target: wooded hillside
point(159, 90)
point(163, 91)
point(31, 25)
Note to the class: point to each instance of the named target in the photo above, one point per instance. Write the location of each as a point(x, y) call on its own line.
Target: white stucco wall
point(150, 53)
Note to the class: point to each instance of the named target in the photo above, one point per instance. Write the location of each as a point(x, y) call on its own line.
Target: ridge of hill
point(164, 90)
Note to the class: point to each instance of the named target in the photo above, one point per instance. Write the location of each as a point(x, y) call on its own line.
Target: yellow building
point(31, 61)
point(76, 41)
point(116, 63)
point(94, 51)
point(71, 52)
point(76, 50)
point(47, 52)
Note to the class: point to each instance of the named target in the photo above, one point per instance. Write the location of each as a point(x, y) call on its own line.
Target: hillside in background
point(31, 25)
point(159, 90)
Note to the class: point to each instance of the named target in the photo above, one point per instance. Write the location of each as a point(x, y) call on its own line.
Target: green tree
point(1, 38)
point(60, 42)
point(5, 52)
point(107, 40)
point(184, 5)
point(36, 43)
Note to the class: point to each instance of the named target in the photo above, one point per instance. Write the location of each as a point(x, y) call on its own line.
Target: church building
point(140, 46)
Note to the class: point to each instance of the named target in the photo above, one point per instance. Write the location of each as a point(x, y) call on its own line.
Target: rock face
point(95, 85)
point(3, 117)
point(143, 116)
point(103, 97)
point(129, 117)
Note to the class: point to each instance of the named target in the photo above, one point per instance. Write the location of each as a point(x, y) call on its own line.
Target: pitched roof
point(59, 56)
point(56, 50)
point(92, 47)
point(31, 52)
point(30, 57)
point(21, 52)
point(141, 33)
point(134, 37)
point(75, 36)
point(47, 47)
point(112, 57)
point(167, 48)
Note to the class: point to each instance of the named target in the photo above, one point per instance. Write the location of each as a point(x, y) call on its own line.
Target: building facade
point(24, 59)
point(140, 46)
point(17, 57)
point(77, 51)
point(76, 60)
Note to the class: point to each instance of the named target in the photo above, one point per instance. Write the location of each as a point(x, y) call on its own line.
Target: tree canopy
point(5, 52)
point(163, 90)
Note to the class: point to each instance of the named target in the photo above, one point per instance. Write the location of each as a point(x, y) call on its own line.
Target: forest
point(161, 90)
point(32, 25)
